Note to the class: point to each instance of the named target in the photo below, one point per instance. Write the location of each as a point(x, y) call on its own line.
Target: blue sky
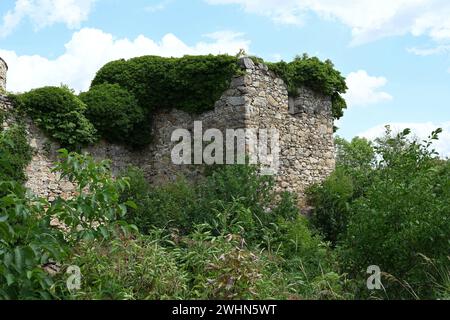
point(395, 53)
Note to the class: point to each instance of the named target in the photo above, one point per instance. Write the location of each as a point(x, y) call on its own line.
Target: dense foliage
point(235, 214)
point(113, 111)
point(190, 83)
point(230, 236)
point(232, 199)
point(59, 113)
point(31, 244)
point(15, 153)
point(41, 240)
point(387, 205)
point(125, 95)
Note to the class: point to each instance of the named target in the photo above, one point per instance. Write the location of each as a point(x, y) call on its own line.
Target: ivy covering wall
point(311, 72)
point(125, 94)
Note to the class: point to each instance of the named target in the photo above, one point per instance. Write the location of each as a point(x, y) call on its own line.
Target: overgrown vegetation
point(208, 260)
point(59, 113)
point(125, 95)
point(230, 236)
point(31, 244)
point(192, 84)
point(114, 112)
point(15, 152)
point(321, 76)
point(387, 205)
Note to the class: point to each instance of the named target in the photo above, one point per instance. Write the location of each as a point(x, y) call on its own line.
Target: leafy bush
point(114, 112)
point(357, 160)
point(58, 112)
point(315, 74)
point(332, 198)
point(97, 211)
point(403, 215)
point(221, 267)
point(229, 189)
point(29, 241)
point(15, 153)
point(331, 204)
point(387, 205)
point(191, 83)
point(169, 206)
point(232, 199)
point(129, 269)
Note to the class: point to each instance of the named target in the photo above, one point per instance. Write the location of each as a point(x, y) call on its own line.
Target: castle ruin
point(3, 71)
point(257, 99)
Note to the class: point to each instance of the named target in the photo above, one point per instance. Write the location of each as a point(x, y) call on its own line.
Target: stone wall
point(255, 100)
point(3, 71)
point(305, 125)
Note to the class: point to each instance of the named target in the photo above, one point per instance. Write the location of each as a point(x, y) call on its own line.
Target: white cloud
point(420, 130)
point(365, 90)
point(158, 6)
point(368, 19)
point(43, 13)
point(440, 49)
point(90, 49)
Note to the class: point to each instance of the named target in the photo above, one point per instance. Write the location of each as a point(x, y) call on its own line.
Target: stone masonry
point(257, 99)
point(3, 71)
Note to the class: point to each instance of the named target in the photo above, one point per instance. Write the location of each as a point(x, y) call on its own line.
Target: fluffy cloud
point(77, 66)
point(420, 130)
point(365, 90)
point(368, 19)
point(43, 13)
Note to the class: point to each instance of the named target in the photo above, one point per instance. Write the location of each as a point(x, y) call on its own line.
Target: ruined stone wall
point(3, 71)
point(255, 100)
point(305, 125)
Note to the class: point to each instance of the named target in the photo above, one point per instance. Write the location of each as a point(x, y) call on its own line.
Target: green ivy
point(125, 94)
point(15, 153)
point(59, 113)
point(190, 83)
point(114, 111)
point(313, 73)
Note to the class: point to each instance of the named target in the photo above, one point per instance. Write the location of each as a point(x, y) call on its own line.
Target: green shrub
point(320, 76)
point(15, 154)
point(29, 240)
point(332, 198)
point(58, 112)
point(127, 269)
point(191, 83)
point(240, 194)
point(114, 112)
point(357, 160)
point(97, 210)
point(222, 268)
point(231, 199)
point(402, 216)
point(331, 201)
point(165, 207)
